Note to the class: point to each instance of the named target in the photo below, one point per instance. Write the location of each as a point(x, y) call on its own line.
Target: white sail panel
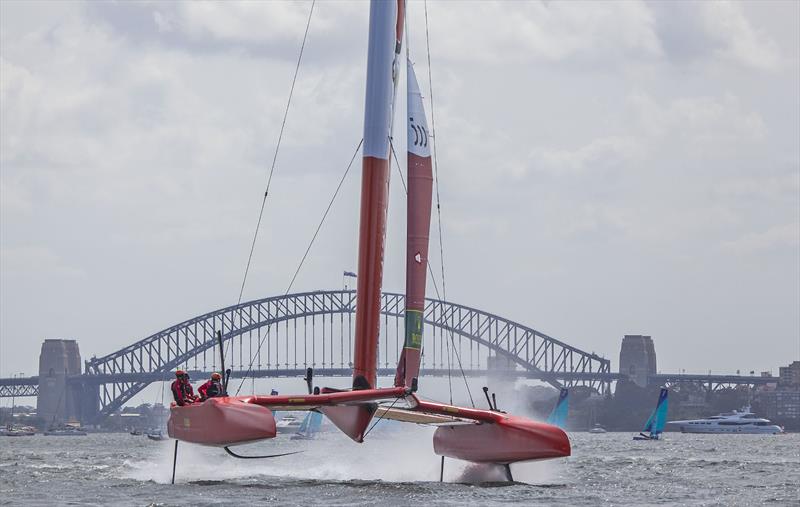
point(418, 133)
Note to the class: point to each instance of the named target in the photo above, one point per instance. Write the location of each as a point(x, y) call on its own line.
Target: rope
point(305, 255)
point(274, 160)
point(275, 155)
point(381, 417)
point(438, 201)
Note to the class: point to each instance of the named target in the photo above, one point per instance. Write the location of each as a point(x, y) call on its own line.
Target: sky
point(605, 168)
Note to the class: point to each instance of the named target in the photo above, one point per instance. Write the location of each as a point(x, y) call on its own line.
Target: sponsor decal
point(413, 329)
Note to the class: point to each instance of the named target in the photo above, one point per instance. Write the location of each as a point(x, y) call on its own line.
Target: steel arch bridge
point(283, 335)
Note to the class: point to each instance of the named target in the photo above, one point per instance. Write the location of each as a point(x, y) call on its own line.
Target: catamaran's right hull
point(509, 440)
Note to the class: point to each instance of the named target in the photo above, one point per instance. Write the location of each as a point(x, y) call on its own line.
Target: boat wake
point(394, 453)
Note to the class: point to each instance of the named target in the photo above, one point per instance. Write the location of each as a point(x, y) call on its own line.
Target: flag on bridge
point(350, 274)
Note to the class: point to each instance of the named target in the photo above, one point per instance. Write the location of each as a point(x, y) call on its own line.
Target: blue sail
point(310, 426)
point(658, 418)
point(315, 422)
point(558, 417)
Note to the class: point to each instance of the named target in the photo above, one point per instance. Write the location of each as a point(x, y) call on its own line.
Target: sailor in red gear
point(179, 391)
point(211, 388)
point(188, 390)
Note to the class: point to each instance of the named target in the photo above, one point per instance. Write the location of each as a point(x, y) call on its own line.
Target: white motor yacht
point(738, 421)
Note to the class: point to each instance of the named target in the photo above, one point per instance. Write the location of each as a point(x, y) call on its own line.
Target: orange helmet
point(215, 376)
point(180, 373)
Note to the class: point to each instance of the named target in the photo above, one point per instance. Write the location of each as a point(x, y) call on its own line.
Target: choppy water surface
point(396, 468)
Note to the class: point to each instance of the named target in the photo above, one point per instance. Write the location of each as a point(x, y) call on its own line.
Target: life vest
point(210, 389)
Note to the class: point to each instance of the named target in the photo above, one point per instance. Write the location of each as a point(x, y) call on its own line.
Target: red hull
point(509, 440)
point(221, 422)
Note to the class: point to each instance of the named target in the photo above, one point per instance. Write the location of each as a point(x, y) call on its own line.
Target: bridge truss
point(315, 329)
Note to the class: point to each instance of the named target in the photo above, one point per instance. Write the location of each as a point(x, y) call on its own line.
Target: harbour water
point(398, 467)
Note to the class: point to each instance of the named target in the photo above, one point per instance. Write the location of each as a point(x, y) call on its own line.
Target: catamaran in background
point(310, 426)
point(738, 421)
point(655, 423)
point(558, 417)
point(467, 433)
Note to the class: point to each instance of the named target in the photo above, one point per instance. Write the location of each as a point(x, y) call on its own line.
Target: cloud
point(27, 262)
point(737, 39)
point(699, 121)
point(549, 32)
point(778, 236)
point(583, 149)
point(599, 155)
point(695, 32)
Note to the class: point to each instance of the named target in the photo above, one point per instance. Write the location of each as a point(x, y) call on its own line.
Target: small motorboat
point(288, 424)
point(157, 436)
point(597, 429)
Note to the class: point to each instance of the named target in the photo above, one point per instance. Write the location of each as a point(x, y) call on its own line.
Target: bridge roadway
point(29, 386)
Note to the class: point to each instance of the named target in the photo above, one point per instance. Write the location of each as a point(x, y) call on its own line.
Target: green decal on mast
point(413, 329)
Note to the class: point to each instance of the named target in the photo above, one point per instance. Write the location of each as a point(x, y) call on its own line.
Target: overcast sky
point(605, 168)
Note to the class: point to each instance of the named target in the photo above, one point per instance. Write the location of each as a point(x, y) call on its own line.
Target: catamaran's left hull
point(221, 422)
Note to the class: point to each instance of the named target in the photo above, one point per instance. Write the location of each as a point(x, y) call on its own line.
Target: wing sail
point(418, 213)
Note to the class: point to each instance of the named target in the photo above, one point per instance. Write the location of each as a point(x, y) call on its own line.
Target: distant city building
point(782, 404)
point(790, 375)
point(637, 358)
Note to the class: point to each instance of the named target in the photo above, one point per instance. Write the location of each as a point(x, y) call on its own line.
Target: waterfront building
point(790, 375)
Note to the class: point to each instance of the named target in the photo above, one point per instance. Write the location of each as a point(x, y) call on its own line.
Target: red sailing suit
point(182, 392)
point(210, 389)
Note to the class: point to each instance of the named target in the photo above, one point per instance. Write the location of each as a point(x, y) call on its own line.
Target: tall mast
point(418, 224)
point(385, 36)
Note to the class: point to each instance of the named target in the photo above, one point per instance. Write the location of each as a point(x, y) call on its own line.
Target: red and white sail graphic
point(420, 189)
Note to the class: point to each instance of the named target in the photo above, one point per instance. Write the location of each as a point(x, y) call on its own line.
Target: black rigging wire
point(274, 160)
point(275, 155)
point(438, 200)
point(305, 255)
point(381, 417)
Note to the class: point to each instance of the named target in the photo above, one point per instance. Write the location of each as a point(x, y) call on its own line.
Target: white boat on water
point(738, 421)
point(598, 429)
point(288, 424)
point(17, 431)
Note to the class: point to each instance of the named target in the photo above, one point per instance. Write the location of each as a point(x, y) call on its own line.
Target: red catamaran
point(476, 435)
